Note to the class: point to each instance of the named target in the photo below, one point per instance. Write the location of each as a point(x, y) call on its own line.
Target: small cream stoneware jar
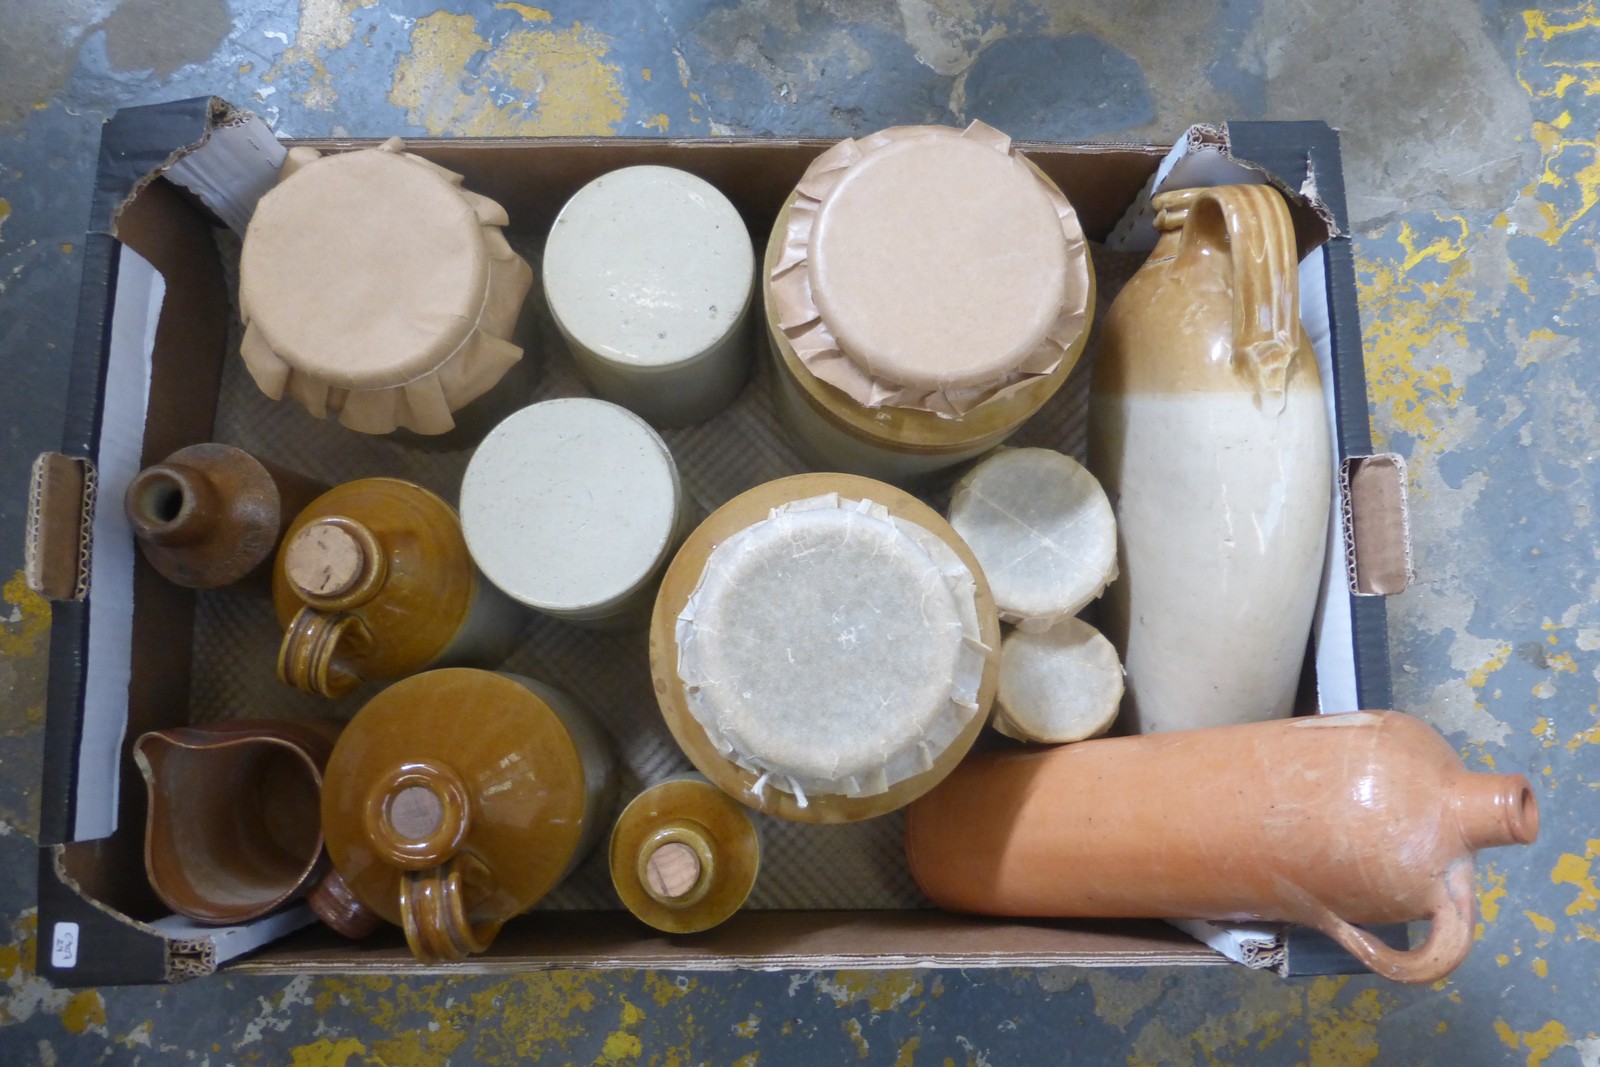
point(572, 507)
point(649, 272)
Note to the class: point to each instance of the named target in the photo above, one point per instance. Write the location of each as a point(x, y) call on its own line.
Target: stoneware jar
point(572, 507)
point(456, 799)
point(1209, 431)
point(376, 290)
point(927, 290)
point(684, 855)
point(1329, 821)
point(232, 828)
point(824, 648)
point(649, 273)
point(211, 515)
point(374, 581)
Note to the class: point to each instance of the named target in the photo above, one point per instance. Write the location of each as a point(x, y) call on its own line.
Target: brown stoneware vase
point(456, 799)
point(1209, 431)
point(1327, 821)
point(374, 581)
point(232, 830)
point(211, 515)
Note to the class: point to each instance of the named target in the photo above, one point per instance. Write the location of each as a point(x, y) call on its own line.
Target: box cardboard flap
point(60, 504)
point(1377, 524)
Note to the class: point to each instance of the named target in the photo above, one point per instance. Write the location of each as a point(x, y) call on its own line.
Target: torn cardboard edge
point(61, 495)
point(1376, 524)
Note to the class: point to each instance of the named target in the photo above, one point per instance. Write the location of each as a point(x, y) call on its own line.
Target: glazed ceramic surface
point(232, 829)
point(211, 515)
point(1366, 817)
point(650, 272)
point(456, 799)
point(684, 855)
point(772, 723)
point(1209, 432)
point(374, 581)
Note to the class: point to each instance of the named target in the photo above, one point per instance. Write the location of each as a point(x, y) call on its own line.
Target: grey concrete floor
point(1471, 153)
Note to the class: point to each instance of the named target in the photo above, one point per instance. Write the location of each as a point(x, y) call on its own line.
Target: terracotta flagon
point(457, 798)
point(374, 581)
point(1209, 431)
point(232, 830)
point(211, 515)
point(1328, 821)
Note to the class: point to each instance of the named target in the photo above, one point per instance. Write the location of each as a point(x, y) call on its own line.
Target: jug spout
point(1493, 810)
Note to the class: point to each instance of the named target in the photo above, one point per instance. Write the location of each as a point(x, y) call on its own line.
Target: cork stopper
point(334, 562)
point(671, 871)
point(416, 813)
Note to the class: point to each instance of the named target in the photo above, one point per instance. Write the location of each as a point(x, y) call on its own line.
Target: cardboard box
point(151, 344)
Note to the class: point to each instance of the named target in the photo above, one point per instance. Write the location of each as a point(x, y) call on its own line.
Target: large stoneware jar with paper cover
point(1209, 432)
point(927, 290)
point(377, 291)
point(825, 648)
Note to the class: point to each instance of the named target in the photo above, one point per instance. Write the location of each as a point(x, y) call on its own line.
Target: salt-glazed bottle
point(376, 290)
point(374, 581)
point(1328, 821)
point(824, 648)
point(211, 515)
point(457, 798)
point(1209, 431)
point(684, 855)
point(927, 290)
point(232, 828)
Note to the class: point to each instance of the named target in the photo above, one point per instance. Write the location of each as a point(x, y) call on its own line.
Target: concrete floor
point(1471, 153)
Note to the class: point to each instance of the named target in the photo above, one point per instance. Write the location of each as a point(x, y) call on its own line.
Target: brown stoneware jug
point(232, 829)
point(456, 799)
point(1209, 431)
point(374, 581)
point(1328, 821)
point(211, 515)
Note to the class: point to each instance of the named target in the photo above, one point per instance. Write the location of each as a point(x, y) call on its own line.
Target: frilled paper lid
point(832, 648)
point(930, 268)
point(373, 287)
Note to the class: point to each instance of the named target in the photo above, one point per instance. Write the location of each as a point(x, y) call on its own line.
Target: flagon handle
point(316, 652)
point(1449, 940)
point(1251, 225)
point(434, 912)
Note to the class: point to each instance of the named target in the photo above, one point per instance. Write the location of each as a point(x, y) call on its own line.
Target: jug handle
point(1452, 917)
point(1259, 235)
point(315, 651)
point(434, 913)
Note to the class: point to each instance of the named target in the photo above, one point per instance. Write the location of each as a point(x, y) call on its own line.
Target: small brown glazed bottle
point(456, 799)
point(684, 855)
point(374, 581)
point(232, 829)
point(1328, 821)
point(210, 515)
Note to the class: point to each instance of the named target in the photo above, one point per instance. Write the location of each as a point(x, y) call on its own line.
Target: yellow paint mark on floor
point(1491, 893)
point(1558, 172)
point(83, 1010)
point(1574, 870)
point(5, 211)
point(1347, 1037)
point(66, 248)
point(852, 1028)
point(1444, 249)
point(29, 621)
point(531, 83)
point(908, 1052)
point(528, 12)
point(325, 26)
point(664, 990)
point(326, 1053)
point(1540, 1043)
point(656, 122)
point(1540, 967)
point(1545, 26)
point(749, 1059)
point(1478, 677)
point(622, 1045)
point(882, 990)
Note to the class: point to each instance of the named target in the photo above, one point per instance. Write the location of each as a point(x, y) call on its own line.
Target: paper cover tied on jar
point(375, 289)
point(649, 273)
point(1057, 685)
point(374, 581)
point(456, 799)
point(1042, 528)
point(1208, 427)
point(928, 289)
point(1328, 821)
point(572, 507)
point(824, 648)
